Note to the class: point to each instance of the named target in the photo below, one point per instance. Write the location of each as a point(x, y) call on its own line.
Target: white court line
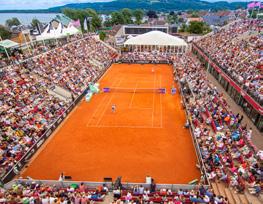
point(154, 83)
point(108, 103)
point(124, 126)
point(130, 105)
point(160, 82)
point(97, 107)
point(139, 108)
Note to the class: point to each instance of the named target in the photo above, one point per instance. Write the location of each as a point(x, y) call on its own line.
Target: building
point(141, 29)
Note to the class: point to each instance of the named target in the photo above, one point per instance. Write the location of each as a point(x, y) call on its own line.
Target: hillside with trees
point(161, 5)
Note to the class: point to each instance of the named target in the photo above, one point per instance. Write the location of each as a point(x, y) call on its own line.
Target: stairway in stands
point(233, 197)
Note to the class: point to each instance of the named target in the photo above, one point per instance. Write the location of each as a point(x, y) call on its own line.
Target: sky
point(42, 4)
point(38, 4)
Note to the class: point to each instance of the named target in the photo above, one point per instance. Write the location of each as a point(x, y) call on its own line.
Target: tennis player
point(152, 69)
point(113, 108)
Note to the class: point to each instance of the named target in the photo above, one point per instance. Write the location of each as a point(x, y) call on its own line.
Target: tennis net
point(134, 90)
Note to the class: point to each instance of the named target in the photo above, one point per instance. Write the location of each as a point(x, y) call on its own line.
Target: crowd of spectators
point(27, 108)
point(237, 49)
point(139, 194)
point(153, 56)
point(35, 192)
point(225, 143)
point(32, 49)
point(32, 192)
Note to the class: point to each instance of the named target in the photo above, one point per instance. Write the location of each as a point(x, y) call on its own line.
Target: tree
point(127, 15)
point(107, 23)
point(183, 28)
point(95, 22)
point(171, 13)
point(138, 14)
point(4, 33)
point(35, 22)
point(172, 18)
point(102, 35)
point(12, 22)
point(198, 27)
point(81, 14)
point(180, 20)
point(194, 15)
point(151, 14)
point(117, 18)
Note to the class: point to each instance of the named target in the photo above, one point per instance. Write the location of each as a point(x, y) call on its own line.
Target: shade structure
point(156, 41)
point(8, 44)
point(157, 38)
point(60, 32)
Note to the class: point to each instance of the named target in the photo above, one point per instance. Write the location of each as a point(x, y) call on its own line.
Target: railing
point(93, 185)
point(24, 160)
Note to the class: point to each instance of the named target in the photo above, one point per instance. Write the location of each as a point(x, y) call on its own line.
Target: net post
point(106, 90)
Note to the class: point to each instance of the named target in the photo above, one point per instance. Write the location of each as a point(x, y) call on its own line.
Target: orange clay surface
point(145, 136)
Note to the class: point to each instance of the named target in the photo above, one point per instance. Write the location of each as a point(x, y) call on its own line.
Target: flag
point(251, 5)
point(257, 4)
point(75, 23)
point(85, 24)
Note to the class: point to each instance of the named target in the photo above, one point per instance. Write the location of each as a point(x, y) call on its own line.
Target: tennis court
point(143, 137)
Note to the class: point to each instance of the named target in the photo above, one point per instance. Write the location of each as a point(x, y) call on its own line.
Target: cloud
point(38, 4)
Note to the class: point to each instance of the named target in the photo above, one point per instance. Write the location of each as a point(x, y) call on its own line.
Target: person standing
point(113, 108)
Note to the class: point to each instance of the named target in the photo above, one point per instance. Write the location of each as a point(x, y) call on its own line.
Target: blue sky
point(38, 4)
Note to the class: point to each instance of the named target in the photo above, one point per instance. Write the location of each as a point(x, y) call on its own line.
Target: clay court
point(144, 137)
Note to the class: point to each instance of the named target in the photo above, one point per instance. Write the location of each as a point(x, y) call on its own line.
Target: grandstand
point(190, 147)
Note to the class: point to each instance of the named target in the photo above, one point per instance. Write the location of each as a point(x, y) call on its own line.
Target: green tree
point(12, 22)
point(127, 15)
point(183, 28)
point(198, 27)
point(107, 23)
point(4, 33)
point(172, 18)
point(95, 22)
point(117, 18)
point(102, 35)
point(152, 14)
point(138, 14)
point(35, 22)
point(180, 20)
point(194, 15)
point(81, 14)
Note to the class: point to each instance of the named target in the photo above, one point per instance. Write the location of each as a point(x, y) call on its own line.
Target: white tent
point(60, 32)
point(71, 30)
point(156, 40)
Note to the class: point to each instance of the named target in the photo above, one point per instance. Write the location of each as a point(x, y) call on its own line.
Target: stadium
point(153, 122)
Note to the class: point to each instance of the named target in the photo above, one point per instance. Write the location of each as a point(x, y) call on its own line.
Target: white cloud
point(38, 4)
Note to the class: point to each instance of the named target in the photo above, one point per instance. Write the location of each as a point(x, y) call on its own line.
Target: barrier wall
point(145, 61)
point(94, 185)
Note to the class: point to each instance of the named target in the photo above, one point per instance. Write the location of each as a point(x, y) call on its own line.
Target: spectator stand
point(15, 170)
point(201, 165)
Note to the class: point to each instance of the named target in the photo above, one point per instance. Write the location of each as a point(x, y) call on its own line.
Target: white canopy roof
point(156, 38)
point(60, 32)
